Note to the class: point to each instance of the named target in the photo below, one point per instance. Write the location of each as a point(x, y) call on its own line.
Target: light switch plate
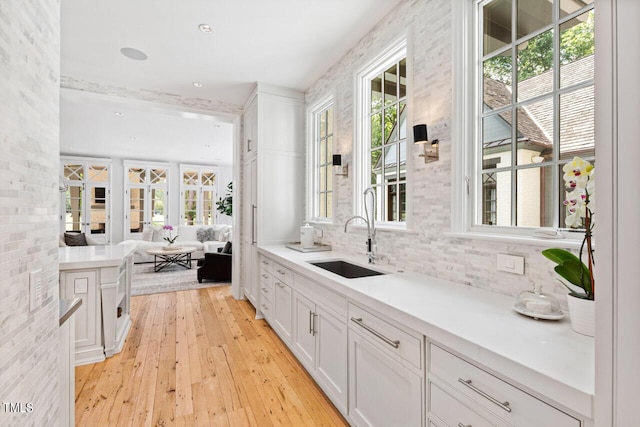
point(35, 289)
point(511, 263)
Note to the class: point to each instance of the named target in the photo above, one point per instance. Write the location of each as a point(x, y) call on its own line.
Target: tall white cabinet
point(273, 162)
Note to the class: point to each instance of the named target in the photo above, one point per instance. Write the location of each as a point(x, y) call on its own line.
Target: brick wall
point(425, 248)
point(29, 138)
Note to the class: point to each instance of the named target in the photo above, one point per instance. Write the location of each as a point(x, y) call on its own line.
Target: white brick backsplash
point(426, 249)
point(29, 198)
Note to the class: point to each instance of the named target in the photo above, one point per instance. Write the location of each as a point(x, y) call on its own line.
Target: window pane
point(535, 197)
point(329, 205)
point(496, 143)
point(323, 124)
point(496, 198)
point(157, 206)
point(208, 179)
point(329, 178)
point(98, 173)
point(577, 137)
point(533, 15)
point(376, 166)
point(535, 66)
point(74, 172)
point(496, 88)
point(402, 123)
point(497, 25)
point(137, 175)
point(576, 49)
point(190, 178)
point(158, 176)
point(390, 124)
point(391, 85)
point(73, 208)
point(323, 178)
point(329, 150)
point(402, 148)
point(535, 132)
point(379, 209)
point(567, 7)
point(390, 164)
point(376, 94)
point(330, 121)
point(376, 130)
point(322, 158)
point(136, 210)
point(403, 201)
point(323, 205)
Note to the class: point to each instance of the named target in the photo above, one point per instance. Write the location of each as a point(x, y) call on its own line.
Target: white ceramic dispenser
point(306, 236)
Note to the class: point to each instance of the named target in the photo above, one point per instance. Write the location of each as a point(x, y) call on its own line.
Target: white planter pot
point(583, 315)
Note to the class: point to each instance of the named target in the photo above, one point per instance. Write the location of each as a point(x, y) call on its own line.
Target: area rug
point(173, 278)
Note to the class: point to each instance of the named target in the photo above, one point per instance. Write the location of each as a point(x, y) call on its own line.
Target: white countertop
point(75, 257)
point(544, 357)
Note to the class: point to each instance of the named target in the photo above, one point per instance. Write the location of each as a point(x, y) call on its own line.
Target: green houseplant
point(579, 178)
point(224, 205)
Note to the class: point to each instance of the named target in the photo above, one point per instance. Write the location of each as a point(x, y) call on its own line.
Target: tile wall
point(29, 149)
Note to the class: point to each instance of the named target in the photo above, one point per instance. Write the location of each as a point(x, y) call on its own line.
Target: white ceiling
point(289, 43)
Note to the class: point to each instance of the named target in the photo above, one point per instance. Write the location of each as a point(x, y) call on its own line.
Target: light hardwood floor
point(199, 358)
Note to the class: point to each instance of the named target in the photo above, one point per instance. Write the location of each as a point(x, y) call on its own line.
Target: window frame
point(313, 166)
point(466, 154)
point(393, 53)
point(199, 188)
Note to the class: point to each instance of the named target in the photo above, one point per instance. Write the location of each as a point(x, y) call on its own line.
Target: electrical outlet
point(510, 263)
point(35, 289)
point(319, 233)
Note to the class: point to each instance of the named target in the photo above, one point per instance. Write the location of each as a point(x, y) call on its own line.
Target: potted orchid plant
point(169, 239)
point(579, 178)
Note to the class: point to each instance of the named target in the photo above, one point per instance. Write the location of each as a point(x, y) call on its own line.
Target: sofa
point(203, 238)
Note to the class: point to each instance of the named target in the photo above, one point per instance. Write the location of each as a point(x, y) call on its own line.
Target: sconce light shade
point(430, 150)
point(338, 167)
point(420, 134)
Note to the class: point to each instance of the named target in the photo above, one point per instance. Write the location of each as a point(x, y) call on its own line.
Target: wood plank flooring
point(199, 358)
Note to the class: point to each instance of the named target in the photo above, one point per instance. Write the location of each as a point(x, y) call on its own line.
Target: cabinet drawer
point(266, 307)
point(452, 411)
point(265, 264)
point(265, 276)
point(266, 290)
point(281, 273)
point(405, 344)
point(495, 395)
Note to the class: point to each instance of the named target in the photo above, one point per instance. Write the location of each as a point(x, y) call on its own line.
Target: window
point(199, 190)
point(86, 204)
point(146, 196)
point(381, 146)
point(321, 161)
point(534, 108)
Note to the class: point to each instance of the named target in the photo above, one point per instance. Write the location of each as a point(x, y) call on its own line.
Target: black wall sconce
point(430, 152)
point(338, 168)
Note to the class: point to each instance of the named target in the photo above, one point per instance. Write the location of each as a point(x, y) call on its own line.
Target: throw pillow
point(75, 239)
point(158, 234)
point(201, 234)
point(227, 248)
point(219, 233)
point(147, 235)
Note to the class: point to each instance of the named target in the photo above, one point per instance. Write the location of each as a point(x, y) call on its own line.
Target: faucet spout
point(354, 217)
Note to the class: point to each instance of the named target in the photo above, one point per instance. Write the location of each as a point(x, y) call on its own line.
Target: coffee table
point(180, 255)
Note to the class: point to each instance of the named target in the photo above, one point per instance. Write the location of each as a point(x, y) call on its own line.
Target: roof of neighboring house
point(535, 120)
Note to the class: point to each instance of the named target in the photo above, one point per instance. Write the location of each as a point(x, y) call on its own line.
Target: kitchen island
point(101, 277)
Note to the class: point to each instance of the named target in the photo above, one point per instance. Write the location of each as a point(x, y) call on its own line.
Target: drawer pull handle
point(281, 272)
point(265, 307)
point(503, 405)
point(265, 276)
point(265, 290)
point(359, 322)
point(462, 425)
point(280, 285)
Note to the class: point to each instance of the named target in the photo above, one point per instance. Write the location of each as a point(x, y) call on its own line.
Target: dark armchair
point(216, 266)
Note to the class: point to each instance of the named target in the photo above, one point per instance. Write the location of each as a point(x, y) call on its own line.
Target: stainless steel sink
point(346, 269)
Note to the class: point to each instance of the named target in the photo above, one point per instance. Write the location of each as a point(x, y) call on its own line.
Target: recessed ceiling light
point(205, 28)
point(117, 113)
point(133, 138)
point(207, 145)
point(216, 125)
point(132, 53)
point(197, 84)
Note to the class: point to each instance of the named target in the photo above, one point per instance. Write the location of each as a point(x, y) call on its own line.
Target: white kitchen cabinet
point(273, 159)
point(320, 343)
point(282, 310)
point(386, 377)
point(486, 394)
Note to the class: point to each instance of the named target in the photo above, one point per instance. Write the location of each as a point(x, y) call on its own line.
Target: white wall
point(29, 115)
point(425, 247)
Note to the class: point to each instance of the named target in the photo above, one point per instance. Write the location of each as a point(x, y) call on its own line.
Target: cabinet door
point(331, 355)
point(304, 339)
point(83, 284)
point(251, 128)
point(381, 391)
point(282, 310)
